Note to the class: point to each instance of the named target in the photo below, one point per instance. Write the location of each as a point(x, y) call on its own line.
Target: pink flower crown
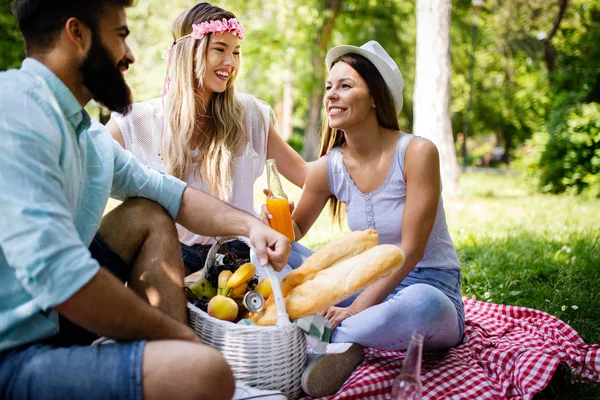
point(218, 26)
point(198, 31)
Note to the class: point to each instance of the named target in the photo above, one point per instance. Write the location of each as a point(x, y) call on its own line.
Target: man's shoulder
point(16, 83)
point(21, 81)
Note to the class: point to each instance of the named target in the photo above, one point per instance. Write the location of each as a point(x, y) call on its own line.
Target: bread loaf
point(331, 285)
point(342, 280)
point(340, 249)
point(337, 250)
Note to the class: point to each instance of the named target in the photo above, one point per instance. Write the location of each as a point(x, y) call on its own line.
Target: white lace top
point(142, 131)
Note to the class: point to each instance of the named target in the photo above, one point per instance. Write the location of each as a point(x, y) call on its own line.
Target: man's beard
point(104, 79)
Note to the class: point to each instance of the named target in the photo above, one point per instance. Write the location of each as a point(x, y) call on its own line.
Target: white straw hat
point(386, 66)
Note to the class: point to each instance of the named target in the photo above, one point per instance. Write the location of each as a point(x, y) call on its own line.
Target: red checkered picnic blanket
point(507, 352)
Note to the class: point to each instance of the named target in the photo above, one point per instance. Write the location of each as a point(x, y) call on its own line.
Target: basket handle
point(212, 253)
point(283, 318)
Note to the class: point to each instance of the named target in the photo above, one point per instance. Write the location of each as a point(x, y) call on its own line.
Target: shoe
point(243, 391)
point(325, 374)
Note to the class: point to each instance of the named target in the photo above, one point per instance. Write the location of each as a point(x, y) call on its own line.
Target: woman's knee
point(429, 302)
point(438, 317)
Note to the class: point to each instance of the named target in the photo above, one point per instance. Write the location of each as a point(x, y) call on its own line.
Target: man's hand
point(206, 215)
point(336, 315)
point(270, 246)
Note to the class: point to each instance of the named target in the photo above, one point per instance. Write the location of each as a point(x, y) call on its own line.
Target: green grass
point(523, 248)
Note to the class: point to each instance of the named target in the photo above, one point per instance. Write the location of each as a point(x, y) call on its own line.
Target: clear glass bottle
point(407, 386)
point(278, 204)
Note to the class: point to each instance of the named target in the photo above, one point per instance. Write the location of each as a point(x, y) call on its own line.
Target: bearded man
point(62, 265)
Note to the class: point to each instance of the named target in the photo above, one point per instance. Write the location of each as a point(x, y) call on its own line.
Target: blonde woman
point(201, 130)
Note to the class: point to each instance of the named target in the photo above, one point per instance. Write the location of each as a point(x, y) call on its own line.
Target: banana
point(238, 292)
point(202, 287)
point(264, 288)
point(224, 277)
point(243, 274)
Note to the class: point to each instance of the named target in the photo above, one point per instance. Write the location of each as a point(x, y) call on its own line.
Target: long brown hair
point(384, 107)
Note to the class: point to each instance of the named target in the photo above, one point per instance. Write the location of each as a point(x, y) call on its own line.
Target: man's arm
point(121, 314)
point(206, 215)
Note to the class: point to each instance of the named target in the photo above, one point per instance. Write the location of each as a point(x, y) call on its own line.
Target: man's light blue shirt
point(57, 171)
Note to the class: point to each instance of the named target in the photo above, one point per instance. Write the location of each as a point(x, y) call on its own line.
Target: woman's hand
point(336, 315)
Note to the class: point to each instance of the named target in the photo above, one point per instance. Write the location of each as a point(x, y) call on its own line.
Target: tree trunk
point(312, 134)
point(284, 106)
point(431, 98)
point(549, 51)
point(288, 102)
point(313, 128)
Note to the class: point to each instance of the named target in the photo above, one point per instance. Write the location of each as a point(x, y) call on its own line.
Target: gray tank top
point(382, 208)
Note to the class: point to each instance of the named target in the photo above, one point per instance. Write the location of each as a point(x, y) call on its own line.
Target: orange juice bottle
point(278, 204)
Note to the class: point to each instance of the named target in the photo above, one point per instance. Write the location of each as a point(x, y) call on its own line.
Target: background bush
point(570, 161)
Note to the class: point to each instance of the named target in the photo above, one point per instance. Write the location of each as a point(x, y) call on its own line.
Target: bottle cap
point(253, 301)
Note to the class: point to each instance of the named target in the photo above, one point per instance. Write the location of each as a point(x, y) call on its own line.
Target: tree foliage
point(536, 61)
point(12, 49)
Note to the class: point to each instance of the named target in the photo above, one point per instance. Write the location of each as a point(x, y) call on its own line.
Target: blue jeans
point(64, 366)
point(428, 301)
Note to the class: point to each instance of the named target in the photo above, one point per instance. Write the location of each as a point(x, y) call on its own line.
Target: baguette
point(340, 249)
point(336, 283)
point(337, 250)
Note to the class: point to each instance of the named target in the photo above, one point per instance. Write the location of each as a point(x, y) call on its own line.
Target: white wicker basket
point(269, 357)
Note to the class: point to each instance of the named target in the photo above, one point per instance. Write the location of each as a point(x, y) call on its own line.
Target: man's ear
point(78, 34)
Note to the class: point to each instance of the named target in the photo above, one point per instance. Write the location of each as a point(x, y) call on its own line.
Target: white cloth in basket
point(317, 330)
point(243, 391)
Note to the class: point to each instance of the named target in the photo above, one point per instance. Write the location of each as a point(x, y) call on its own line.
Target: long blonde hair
point(385, 110)
point(224, 135)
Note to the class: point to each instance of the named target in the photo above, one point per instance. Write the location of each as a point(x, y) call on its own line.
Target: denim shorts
point(65, 366)
point(47, 372)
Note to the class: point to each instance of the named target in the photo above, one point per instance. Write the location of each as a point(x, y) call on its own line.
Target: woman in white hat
point(389, 181)
point(204, 132)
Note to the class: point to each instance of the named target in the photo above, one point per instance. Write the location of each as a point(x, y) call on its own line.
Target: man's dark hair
point(41, 21)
